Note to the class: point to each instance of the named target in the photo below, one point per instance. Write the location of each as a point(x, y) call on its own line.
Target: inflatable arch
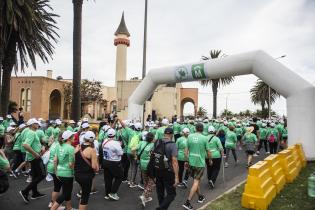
point(299, 93)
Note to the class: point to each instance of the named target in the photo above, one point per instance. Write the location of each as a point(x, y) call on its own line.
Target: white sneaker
point(255, 155)
point(49, 178)
point(226, 165)
point(50, 204)
point(29, 179)
point(267, 153)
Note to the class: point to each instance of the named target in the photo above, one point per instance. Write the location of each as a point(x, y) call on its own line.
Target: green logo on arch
point(198, 71)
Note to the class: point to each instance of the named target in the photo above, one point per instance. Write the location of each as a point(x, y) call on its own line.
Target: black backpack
point(157, 159)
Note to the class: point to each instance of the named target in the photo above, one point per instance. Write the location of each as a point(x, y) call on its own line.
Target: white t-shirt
point(81, 137)
point(112, 150)
point(96, 147)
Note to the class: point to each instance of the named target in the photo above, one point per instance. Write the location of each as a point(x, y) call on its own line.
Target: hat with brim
point(67, 135)
point(71, 122)
point(250, 129)
point(9, 129)
point(168, 130)
point(32, 121)
point(85, 125)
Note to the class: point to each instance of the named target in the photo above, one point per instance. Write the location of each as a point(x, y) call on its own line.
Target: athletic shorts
point(196, 172)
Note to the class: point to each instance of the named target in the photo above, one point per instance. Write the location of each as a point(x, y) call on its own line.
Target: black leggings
point(273, 147)
point(181, 166)
point(214, 169)
point(261, 143)
point(38, 174)
point(113, 175)
point(18, 159)
point(228, 154)
point(57, 183)
point(126, 165)
point(67, 185)
point(85, 181)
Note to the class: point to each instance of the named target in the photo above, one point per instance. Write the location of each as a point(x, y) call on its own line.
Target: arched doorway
point(189, 106)
point(55, 104)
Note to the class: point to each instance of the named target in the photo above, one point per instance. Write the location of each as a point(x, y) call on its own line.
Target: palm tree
point(77, 41)
point(27, 29)
point(260, 95)
point(202, 112)
point(216, 83)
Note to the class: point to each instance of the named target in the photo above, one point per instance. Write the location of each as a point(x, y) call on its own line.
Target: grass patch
point(292, 197)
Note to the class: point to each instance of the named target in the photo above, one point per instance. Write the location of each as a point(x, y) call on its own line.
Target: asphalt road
point(129, 198)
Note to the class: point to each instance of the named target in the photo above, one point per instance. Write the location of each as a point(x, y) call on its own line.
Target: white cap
point(138, 126)
point(22, 126)
point(263, 125)
point(9, 116)
point(111, 132)
point(211, 129)
point(105, 128)
point(1, 118)
point(12, 124)
point(178, 120)
point(144, 135)
point(67, 134)
point(85, 120)
point(225, 122)
point(10, 129)
point(89, 136)
point(272, 124)
point(71, 122)
point(165, 121)
point(58, 122)
point(32, 121)
point(40, 119)
point(79, 123)
point(186, 130)
point(85, 125)
point(205, 120)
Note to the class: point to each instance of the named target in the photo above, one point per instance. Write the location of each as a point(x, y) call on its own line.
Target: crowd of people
point(161, 154)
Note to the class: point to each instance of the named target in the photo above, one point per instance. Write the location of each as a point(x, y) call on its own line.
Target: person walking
point(85, 166)
point(263, 139)
point(217, 152)
point(230, 145)
point(113, 171)
point(197, 151)
point(64, 163)
point(181, 145)
point(273, 137)
point(33, 148)
point(250, 140)
point(165, 166)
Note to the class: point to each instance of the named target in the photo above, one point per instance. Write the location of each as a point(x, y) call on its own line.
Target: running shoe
point(188, 206)
point(29, 179)
point(113, 196)
point(133, 185)
point(145, 200)
point(125, 181)
point(201, 199)
point(211, 184)
point(185, 182)
point(181, 185)
point(37, 196)
point(226, 165)
point(24, 197)
point(93, 192)
point(140, 186)
point(79, 194)
point(106, 197)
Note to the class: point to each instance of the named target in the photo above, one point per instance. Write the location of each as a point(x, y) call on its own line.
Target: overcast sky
point(181, 31)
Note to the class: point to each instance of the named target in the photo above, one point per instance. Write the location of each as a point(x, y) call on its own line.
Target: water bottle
point(311, 185)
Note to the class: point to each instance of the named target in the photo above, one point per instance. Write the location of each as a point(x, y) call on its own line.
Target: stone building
point(44, 96)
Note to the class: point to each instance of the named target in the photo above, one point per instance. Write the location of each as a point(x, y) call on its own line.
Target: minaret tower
point(122, 42)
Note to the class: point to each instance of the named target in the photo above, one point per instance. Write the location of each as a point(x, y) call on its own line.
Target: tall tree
point(202, 112)
point(216, 83)
point(77, 42)
point(260, 95)
point(27, 30)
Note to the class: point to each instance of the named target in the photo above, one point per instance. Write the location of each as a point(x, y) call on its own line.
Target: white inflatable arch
point(299, 93)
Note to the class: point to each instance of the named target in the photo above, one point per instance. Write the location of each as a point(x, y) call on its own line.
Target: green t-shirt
point(224, 128)
point(181, 145)
point(50, 165)
point(2, 129)
point(284, 133)
point(153, 131)
point(69, 128)
point(145, 156)
point(160, 133)
point(76, 129)
point(273, 131)
point(17, 141)
point(33, 141)
point(49, 131)
point(239, 131)
point(215, 146)
point(23, 138)
point(4, 163)
point(191, 128)
point(41, 135)
point(176, 128)
point(65, 156)
point(250, 138)
point(263, 133)
point(134, 142)
point(56, 132)
point(230, 139)
point(100, 137)
point(197, 147)
point(205, 129)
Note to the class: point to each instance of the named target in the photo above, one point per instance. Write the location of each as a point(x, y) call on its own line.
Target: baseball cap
point(211, 129)
point(89, 136)
point(85, 125)
point(85, 120)
point(111, 132)
point(58, 122)
point(32, 121)
point(9, 116)
point(165, 121)
point(12, 124)
point(138, 126)
point(22, 126)
point(67, 134)
point(186, 130)
point(1, 118)
point(105, 128)
point(168, 130)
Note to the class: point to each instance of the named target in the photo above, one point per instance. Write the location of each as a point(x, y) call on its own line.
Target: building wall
point(124, 90)
point(121, 60)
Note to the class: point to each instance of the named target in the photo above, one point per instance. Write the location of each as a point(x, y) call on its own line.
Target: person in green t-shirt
point(18, 155)
point(263, 139)
point(250, 140)
point(284, 136)
point(49, 130)
point(181, 145)
point(205, 127)
point(144, 153)
point(33, 149)
point(64, 164)
point(70, 127)
point(2, 128)
point(197, 151)
point(177, 130)
point(160, 131)
point(56, 130)
point(230, 145)
point(4, 162)
point(216, 149)
point(273, 138)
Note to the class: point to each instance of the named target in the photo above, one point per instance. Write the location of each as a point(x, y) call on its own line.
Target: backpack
point(271, 138)
point(158, 160)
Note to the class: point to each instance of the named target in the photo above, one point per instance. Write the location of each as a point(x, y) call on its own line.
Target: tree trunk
point(215, 94)
point(7, 66)
point(77, 38)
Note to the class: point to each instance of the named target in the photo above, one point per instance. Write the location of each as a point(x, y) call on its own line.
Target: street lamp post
point(269, 91)
point(144, 61)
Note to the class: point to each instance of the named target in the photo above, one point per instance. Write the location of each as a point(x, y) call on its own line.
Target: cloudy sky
point(181, 31)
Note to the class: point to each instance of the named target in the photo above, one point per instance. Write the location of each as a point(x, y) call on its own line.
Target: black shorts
point(250, 152)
